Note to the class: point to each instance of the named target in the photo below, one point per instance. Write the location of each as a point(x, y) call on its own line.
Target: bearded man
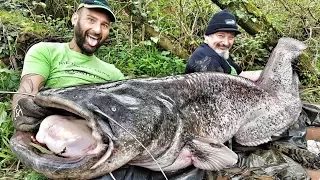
point(57, 65)
point(213, 53)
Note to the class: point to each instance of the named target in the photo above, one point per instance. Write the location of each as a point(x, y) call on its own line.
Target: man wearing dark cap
point(56, 65)
point(213, 53)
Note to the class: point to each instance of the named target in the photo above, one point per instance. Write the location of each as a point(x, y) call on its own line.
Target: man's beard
point(80, 37)
point(223, 53)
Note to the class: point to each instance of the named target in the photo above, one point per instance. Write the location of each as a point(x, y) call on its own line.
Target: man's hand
point(27, 115)
point(252, 75)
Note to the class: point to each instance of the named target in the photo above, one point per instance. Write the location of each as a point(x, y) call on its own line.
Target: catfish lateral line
point(10, 92)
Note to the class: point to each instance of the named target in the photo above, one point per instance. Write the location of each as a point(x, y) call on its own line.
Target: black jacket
point(205, 58)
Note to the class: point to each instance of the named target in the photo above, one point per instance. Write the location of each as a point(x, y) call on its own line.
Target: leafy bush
point(249, 51)
point(141, 60)
point(9, 81)
point(21, 28)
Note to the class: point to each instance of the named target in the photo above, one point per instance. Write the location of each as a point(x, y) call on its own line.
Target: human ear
point(74, 18)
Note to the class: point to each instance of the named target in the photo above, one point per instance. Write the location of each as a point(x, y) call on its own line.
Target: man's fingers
point(26, 107)
point(27, 115)
point(25, 123)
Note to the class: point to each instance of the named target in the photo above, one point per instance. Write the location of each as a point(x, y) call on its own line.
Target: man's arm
point(30, 83)
point(36, 69)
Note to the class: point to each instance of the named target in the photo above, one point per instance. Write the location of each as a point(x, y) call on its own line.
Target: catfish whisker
point(96, 109)
point(20, 93)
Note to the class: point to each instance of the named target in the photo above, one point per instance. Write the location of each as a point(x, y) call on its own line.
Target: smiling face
point(221, 42)
point(91, 29)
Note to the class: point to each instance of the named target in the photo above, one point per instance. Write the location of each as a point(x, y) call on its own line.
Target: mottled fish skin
point(279, 80)
point(184, 117)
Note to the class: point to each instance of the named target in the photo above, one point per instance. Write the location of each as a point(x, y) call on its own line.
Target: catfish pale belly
point(181, 120)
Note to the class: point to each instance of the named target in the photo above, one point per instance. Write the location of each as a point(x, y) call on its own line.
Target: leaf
point(3, 113)
point(155, 39)
point(43, 5)
point(156, 28)
point(165, 53)
point(9, 38)
point(41, 149)
point(147, 43)
point(144, 14)
point(5, 70)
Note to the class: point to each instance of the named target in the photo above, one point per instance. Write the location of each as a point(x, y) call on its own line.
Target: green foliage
point(20, 21)
point(35, 176)
point(141, 60)
point(10, 166)
point(56, 27)
point(9, 79)
point(309, 78)
point(311, 94)
point(183, 20)
point(308, 72)
point(249, 51)
point(11, 24)
point(14, 23)
point(7, 159)
point(21, 174)
point(8, 82)
point(300, 20)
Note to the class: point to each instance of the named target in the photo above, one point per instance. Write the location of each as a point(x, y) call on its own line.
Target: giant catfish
point(181, 120)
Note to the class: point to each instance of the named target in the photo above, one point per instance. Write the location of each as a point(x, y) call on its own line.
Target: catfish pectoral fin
point(211, 156)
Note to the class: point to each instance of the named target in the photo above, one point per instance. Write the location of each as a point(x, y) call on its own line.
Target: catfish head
point(112, 121)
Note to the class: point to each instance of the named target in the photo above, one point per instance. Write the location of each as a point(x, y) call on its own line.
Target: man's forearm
point(30, 84)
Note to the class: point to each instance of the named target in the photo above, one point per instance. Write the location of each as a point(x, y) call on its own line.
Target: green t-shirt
point(233, 70)
point(62, 67)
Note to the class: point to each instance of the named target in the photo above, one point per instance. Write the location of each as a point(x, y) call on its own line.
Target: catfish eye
point(113, 108)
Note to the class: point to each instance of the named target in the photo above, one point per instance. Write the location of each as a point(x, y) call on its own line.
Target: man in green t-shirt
point(57, 65)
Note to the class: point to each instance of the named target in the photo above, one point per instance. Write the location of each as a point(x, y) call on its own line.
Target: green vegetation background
point(24, 23)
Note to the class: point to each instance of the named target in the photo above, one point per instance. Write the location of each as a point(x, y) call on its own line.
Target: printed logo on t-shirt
point(74, 69)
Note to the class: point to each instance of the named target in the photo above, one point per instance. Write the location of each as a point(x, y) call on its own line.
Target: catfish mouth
point(49, 164)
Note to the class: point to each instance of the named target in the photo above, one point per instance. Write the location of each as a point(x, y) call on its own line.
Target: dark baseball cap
point(222, 21)
point(102, 4)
